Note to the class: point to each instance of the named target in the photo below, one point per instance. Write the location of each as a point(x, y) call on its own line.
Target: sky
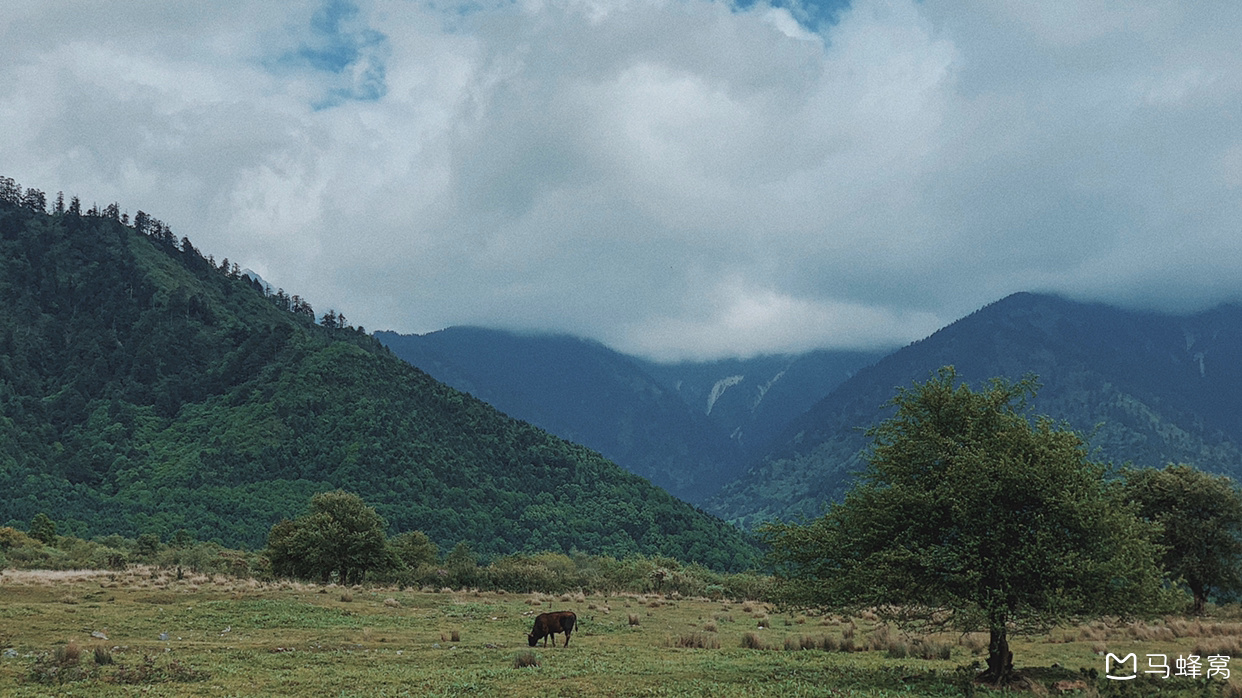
point(678, 179)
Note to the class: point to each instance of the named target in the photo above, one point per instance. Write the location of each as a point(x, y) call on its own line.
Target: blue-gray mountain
point(688, 427)
point(1145, 388)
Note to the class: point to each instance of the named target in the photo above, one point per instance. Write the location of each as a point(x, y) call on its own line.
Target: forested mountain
point(1143, 387)
point(584, 392)
point(688, 427)
point(146, 389)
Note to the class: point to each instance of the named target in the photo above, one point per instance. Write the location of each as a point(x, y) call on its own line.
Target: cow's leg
point(567, 637)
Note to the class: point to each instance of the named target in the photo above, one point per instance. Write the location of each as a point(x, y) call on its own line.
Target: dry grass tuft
point(752, 641)
point(927, 648)
point(633, 619)
point(347, 597)
point(976, 643)
point(392, 603)
point(1218, 646)
point(898, 649)
point(802, 642)
point(525, 659)
point(710, 626)
point(71, 653)
point(699, 641)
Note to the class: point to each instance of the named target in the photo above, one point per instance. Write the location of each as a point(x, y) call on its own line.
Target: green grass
point(231, 637)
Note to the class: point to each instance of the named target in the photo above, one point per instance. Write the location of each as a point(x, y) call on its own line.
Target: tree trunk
point(1000, 659)
point(1199, 591)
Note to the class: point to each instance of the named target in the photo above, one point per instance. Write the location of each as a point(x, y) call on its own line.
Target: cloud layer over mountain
point(677, 178)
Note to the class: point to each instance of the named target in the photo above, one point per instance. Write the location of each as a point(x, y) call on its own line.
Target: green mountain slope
point(142, 389)
point(1144, 387)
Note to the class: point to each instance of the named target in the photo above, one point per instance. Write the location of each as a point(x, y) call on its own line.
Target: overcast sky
point(675, 178)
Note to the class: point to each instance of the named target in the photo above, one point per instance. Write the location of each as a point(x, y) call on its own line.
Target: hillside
point(753, 400)
point(1143, 387)
point(144, 388)
point(688, 427)
point(583, 392)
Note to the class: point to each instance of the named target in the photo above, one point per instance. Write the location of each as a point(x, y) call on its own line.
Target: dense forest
point(146, 388)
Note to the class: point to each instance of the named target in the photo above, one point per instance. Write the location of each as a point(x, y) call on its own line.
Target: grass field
point(204, 636)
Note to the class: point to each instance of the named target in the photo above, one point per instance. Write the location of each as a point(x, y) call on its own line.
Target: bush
point(62, 665)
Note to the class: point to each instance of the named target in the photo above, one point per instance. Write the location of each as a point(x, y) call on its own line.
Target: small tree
point(415, 549)
point(147, 547)
point(1200, 516)
point(43, 528)
point(970, 516)
point(339, 535)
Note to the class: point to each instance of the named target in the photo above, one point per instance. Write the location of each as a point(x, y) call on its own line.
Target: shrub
point(102, 656)
point(60, 666)
point(455, 636)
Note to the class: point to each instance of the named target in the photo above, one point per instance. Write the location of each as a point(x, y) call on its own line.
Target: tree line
point(342, 540)
point(35, 201)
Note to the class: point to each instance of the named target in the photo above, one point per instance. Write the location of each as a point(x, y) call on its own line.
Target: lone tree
point(43, 528)
point(339, 535)
point(970, 516)
point(1200, 517)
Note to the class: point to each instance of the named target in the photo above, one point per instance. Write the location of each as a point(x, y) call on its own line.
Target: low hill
point(146, 389)
point(1145, 388)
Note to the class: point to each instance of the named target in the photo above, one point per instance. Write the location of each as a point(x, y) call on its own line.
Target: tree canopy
point(1200, 518)
point(339, 535)
point(971, 515)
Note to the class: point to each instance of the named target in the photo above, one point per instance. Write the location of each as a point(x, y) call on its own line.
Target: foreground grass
point(228, 637)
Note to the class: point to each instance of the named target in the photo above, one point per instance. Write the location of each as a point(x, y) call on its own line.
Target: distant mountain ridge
point(1146, 388)
point(688, 427)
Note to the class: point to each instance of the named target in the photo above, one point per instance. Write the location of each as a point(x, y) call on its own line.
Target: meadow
point(143, 631)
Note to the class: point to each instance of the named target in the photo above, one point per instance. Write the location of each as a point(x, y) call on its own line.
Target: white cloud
point(678, 178)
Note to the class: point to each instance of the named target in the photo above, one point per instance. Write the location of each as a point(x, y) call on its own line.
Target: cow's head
point(532, 639)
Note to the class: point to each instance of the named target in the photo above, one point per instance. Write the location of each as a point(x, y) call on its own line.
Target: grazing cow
point(549, 624)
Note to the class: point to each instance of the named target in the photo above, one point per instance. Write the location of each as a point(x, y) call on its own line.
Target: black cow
point(549, 624)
